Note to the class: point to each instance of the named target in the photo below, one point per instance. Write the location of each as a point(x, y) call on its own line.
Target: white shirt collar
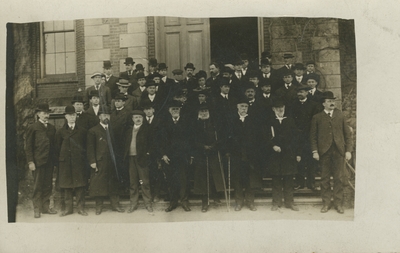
point(177, 119)
point(72, 125)
point(312, 91)
point(266, 95)
point(303, 101)
point(288, 85)
point(224, 95)
point(137, 126)
point(242, 118)
point(43, 122)
point(103, 125)
point(119, 109)
point(331, 112)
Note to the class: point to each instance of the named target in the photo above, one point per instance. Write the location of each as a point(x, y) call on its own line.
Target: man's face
point(245, 63)
point(157, 79)
point(279, 111)
point(265, 69)
point(266, 89)
point(174, 111)
point(189, 72)
point(149, 111)
point(310, 68)
point(78, 106)
point(214, 70)
point(104, 118)
point(108, 71)
point(137, 119)
point(201, 81)
point(95, 100)
point(254, 80)
point(178, 77)
point(140, 71)
point(103, 80)
point(298, 72)
point(225, 89)
point(119, 103)
point(238, 67)
point(204, 114)
point(162, 72)
point(329, 104)
point(227, 75)
point(312, 83)
point(288, 61)
point(151, 90)
point(44, 116)
point(71, 118)
point(152, 69)
point(242, 108)
point(288, 79)
point(141, 81)
point(250, 93)
point(302, 94)
point(202, 98)
point(123, 89)
point(128, 67)
point(97, 80)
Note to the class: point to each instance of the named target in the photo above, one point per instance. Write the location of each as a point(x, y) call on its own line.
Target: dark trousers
point(156, 177)
point(68, 194)
point(42, 187)
point(177, 180)
point(114, 200)
point(136, 173)
point(332, 163)
point(306, 169)
point(282, 186)
point(241, 182)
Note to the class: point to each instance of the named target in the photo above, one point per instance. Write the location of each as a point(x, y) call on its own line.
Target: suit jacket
point(86, 120)
point(288, 95)
point(297, 83)
point(213, 83)
point(104, 92)
point(224, 109)
point(143, 142)
point(154, 135)
point(316, 97)
point(302, 114)
point(39, 144)
point(327, 130)
point(112, 85)
point(119, 122)
point(273, 79)
point(175, 139)
point(71, 155)
point(91, 112)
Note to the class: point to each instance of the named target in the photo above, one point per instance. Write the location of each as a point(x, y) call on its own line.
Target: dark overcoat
point(104, 93)
point(302, 114)
point(112, 85)
point(71, 153)
point(39, 145)
point(86, 120)
point(99, 151)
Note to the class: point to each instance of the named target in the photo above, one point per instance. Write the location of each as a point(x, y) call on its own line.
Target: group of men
point(231, 128)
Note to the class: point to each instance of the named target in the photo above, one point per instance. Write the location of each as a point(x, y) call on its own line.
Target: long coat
point(71, 153)
point(86, 120)
point(283, 135)
point(39, 145)
point(143, 139)
point(302, 114)
point(99, 151)
point(112, 85)
point(104, 93)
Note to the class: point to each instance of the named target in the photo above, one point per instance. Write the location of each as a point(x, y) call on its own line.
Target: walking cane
point(208, 183)
point(229, 180)
point(223, 176)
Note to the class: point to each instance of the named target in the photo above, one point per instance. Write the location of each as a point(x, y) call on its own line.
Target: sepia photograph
point(175, 119)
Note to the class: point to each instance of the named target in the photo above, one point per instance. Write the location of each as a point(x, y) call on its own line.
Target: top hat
point(190, 66)
point(94, 93)
point(278, 103)
point(266, 54)
point(303, 87)
point(139, 66)
point(150, 83)
point(288, 55)
point(77, 98)
point(129, 60)
point(177, 71)
point(69, 109)
point(162, 66)
point(123, 82)
point(312, 76)
point(265, 62)
point(153, 62)
point(104, 110)
point(120, 96)
point(137, 112)
point(96, 74)
point(299, 66)
point(327, 95)
point(43, 107)
point(140, 75)
point(201, 74)
point(244, 56)
point(107, 64)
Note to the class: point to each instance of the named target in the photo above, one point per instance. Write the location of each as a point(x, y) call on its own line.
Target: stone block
point(292, 31)
point(93, 21)
point(325, 20)
point(142, 61)
point(137, 27)
point(133, 20)
point(97, 55)
point(329, 55)
point(328, 29)
point(277, 58)
point(133, 40)
point(94, 42)
point(92, 67)
point(138, 52)
point(332, 82)
point(329, 68)
point(318, 43)
point(285, 21)
point(283, 45)
point(97, 30)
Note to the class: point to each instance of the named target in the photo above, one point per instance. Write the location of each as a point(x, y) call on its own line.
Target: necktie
point(329, 114)
point(71, 128)
point(97, 87)
point(148, 119)
point(130, 72)
point(226, 97)
point(175, 121)
point(106, 128)
point(45, 125)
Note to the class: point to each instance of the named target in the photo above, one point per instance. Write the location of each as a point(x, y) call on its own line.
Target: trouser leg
point(288, 183)
point(68, 198)
point(173, 184)
point(80, 197)
point(134, 180)
point(38, 176)
point(277, 190)
point(114, 200)
point(301, 173)
point(237, 184)
point(47, 187)
point(337, 169)
point(326, 164)
point(144, 177)
point(99, 203)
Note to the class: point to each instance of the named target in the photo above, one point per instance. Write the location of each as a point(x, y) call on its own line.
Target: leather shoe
point(274, 208)
point(50, 211)
point(293, 207)
point(149, 209)
point(204, 208)
point(186, 208)
point(37, 214)
point(238, 207)
point(339, 209)
point(132, 208)
point(98, 211)
point(217, 201)
point(324, 209)
point(252, 207)
point(83, 213)
point(65, 213)
point(118, 209)
point(170, 208)
point(156, 199)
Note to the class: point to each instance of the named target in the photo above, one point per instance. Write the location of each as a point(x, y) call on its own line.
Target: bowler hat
point(264, 82)
point(129, 60)
point(123, 82)
point(201, 74)
point(200, 91)
point(265, 62)
point(266, 54)
point(140, 75)
point(120, 96)
point(248, 85)
point(190, 66)
point(238, 62)
point(288, 55)
point(96, 74)
point(162, 66)
point(43, 107)
point(303, 87)
point(299, 66)
point(243, 100)
point(227, 70)
point(104, 110)
point(253, 73)
point(223, 81)
point(77, 98)
point(177, 71)
point(153, 62)
point(287, 72)
point(174, 103)
point(312, 76)
point(244, 56)
point(310, 62)
point(138, 112)
point(278, 103)
point(107, 64)
point(139, 67)
point(203, 107)
point(327, 95)
point(147, 105)
point(94, 93)
point(150, 83)
point(69, 109)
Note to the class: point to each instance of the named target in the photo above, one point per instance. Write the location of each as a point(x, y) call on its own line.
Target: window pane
point(49, 43)
point(60, 63)
point(69, 25)
point(58, 25)
point(70, 59)
point(60, 43)
point(50, 64)
point(70, 42)
point(48, 26)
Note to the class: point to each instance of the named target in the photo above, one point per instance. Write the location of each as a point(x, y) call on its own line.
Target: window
point(59, 47)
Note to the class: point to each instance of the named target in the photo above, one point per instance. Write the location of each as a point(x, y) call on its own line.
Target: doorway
point(230, 37)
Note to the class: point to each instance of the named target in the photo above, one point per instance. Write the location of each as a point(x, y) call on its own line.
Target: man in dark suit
point(189, 81)
point(331, 144)
point(298, 70)
point(103, 91)
point(83, 119)
point(288, 92)
point(136, 153)
point(312, 80)
point(288, 59)
point(138, 93)
point(302, 112)
point(39, 150)
point(104, 180)
point(71, 153)
point(152, 66)
point(174, 148)
point(111, 81)
point(151, 96)
point(130, 101)
point(95, 106)
point(129, 74)
point(224, 103)
point(166, 86)
point(267, 75)
point(236, 89)
point(212, 81)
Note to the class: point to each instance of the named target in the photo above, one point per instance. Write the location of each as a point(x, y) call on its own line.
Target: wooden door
point(183, 40)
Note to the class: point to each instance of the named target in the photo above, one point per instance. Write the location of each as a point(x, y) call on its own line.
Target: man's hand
point(166, 159)
point(32, 166)
point(277, 149)
point(315, 156)
point(298, 158)
point(191, 160)
point(206, 147)
point(94, 166)
point(348, 156)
